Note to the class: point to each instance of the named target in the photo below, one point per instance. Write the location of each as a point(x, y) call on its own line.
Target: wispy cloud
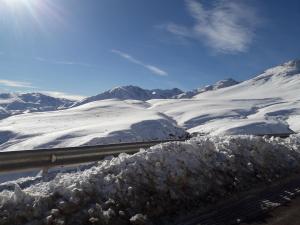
point(153, 69)
point(57, 94)
point(15, 84)
point(228, 26)
point(63, 62)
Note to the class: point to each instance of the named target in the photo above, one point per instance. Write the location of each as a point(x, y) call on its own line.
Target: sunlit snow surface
point(100, 122)
point(266, 104)
point(156, 182)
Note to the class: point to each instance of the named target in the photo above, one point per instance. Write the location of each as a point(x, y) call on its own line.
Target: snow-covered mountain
point(13, 103)
point(278, 82)
point(220, 84)
point(268, 103)
point(132, 92)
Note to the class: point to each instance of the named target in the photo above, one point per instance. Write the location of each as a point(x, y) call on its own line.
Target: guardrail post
point(45, 173)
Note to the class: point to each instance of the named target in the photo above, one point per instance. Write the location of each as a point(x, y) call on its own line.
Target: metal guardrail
point(47, 158)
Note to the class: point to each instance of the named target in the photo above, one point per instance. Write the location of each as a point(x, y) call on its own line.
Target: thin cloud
point(57, 94)
point(227, 27)
point(62, 62)
point(151, 68)
point(22, 84)
point(15, 84)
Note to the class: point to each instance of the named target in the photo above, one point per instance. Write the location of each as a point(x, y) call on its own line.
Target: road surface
point(275, 205)
point(288, 214)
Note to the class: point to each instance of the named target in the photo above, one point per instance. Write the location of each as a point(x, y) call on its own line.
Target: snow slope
point(282, 81)
point(13, 103)
point(267, 104)
point(106, 121)
point(160, 181)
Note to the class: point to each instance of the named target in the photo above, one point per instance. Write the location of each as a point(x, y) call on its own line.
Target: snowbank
point(160, 181)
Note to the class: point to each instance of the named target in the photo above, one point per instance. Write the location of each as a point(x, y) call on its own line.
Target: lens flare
point(37, 13)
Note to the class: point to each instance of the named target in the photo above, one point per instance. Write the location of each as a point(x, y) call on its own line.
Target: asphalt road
point(274, 205)
point(288, 214)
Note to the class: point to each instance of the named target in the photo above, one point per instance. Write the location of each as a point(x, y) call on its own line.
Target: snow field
point(100, 122)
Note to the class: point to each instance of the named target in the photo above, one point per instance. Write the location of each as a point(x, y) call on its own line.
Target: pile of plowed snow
point(153, 183)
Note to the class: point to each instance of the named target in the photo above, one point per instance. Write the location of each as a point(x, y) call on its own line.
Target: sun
point(34, 14)
point(16, 3)
point(17, 10)
point(15, 6)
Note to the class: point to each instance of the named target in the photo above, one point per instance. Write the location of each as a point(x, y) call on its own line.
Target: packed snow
point(101, 122)
point(160, 181)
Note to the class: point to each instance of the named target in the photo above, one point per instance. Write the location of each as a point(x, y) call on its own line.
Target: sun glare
point(20, 12)
point(16, 3)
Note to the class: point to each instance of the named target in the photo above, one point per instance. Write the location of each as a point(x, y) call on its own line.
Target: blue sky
point(85, 47)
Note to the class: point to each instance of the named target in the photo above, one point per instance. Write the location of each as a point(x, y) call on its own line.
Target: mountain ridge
point(15, 103)
point(132, 92)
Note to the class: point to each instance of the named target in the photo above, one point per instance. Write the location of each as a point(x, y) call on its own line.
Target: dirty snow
point(153, 183)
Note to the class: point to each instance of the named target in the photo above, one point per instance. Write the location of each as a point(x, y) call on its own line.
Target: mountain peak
point(18, 103)
point(293, 63)
point(225, 83)
point(220, 84)
point(132, 92)
point(286, 69)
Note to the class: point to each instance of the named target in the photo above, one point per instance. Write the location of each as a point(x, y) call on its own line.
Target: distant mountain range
point(132, 92)
point(137, 93)
point(14, 103)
